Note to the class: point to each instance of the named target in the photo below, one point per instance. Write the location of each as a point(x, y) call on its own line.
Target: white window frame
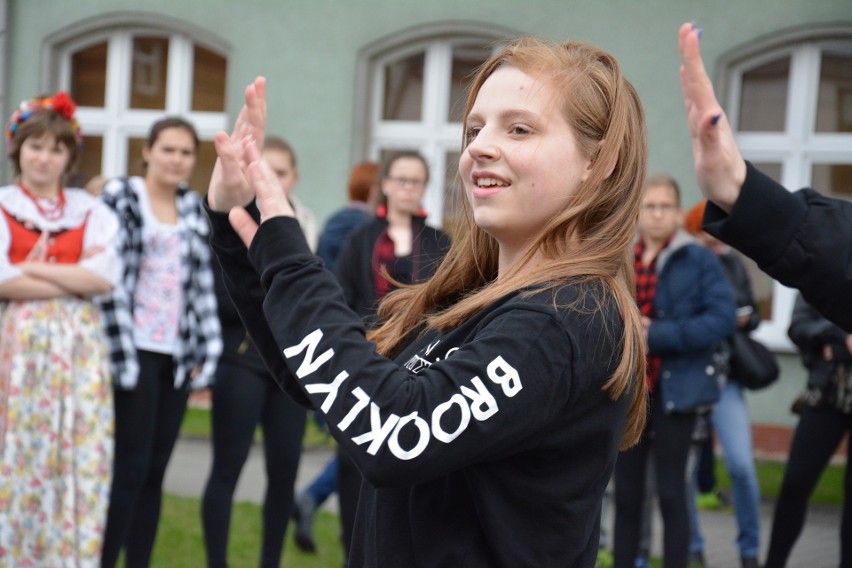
point(796, 149)
point(433, 135)
point(116, 122)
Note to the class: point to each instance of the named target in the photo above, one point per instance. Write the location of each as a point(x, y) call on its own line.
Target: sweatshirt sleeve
point(403, 424)
point(244, 288)
point(802, 239)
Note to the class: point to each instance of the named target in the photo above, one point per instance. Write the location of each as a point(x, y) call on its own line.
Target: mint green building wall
point(309, 49)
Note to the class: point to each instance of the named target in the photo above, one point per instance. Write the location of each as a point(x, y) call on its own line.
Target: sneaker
point(709, 501)
point(303, 513)
point(641, 562)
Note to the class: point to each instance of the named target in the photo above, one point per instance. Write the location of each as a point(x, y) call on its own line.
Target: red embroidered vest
point(63, 247)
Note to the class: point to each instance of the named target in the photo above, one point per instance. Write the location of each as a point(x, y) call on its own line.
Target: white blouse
point(158, 298)
point(100, 233)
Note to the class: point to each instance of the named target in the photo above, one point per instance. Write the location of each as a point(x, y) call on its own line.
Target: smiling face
point(170, 158)
point(43, 161)
point(522, 163)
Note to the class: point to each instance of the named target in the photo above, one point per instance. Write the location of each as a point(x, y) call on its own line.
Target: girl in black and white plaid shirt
point(163, 329)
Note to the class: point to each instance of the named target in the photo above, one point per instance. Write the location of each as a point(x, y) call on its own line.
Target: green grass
point(180, 542)
point(829, 489)
point(196, 423)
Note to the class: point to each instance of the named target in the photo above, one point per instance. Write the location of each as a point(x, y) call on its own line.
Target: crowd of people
point(483, 391)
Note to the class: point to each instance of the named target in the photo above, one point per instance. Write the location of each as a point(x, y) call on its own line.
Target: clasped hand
point(241, 174)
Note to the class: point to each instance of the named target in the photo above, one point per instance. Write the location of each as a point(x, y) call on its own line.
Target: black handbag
point(752, 364)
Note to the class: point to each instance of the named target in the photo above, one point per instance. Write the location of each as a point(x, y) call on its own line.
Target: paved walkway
point(818, 547)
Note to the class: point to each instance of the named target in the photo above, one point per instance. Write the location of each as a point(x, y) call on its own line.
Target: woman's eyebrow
point(509, 115)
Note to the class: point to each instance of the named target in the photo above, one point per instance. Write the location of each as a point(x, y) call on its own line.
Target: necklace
point(55, 207)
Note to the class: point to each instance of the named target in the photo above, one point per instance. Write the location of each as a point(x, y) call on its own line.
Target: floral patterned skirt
point(56, 433)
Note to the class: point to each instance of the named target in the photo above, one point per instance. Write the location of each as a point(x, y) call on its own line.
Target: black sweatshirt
point(802, 239)
point(486, 446)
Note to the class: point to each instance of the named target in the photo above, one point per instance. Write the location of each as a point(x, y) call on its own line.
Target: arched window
point(415, 101)
point(789, 100)
point(126, 77)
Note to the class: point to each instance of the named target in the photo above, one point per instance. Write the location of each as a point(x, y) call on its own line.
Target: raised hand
point(271, 199)
point(719, 166)
point(229, 185)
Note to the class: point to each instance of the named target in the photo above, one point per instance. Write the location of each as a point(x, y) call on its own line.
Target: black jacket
point(487, 446)
point(740, 283)
point(802, 239)
point(355, 262)
point(237, 346)
point(811, 332)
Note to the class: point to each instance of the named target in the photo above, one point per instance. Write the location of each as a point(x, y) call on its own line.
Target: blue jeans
point(324, 484)
point(733, 427)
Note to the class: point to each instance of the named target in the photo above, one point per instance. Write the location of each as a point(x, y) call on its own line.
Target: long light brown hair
point(588, 243)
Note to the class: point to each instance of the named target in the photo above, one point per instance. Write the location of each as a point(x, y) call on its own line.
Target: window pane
point(89, 162)
point(135, 164)
point(150, 67)
point(834, 113)
point(404, 88)
point(88, 75)
point(208, 81)
point(466, 58)
point(764, 97)
point(200, 178)
point(387, 153)
point(761, 283)
point(834, 180)
point(453, 215)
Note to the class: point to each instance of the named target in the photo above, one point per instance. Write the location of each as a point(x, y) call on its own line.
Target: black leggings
point(817, 436)
point(147, 422)
point(671, 440)
point(242, 398)
point(349, 480)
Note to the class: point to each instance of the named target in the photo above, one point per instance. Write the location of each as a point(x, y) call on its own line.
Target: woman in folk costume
point(56, 411)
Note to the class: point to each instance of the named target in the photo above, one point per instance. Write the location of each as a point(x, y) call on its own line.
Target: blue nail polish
point(715, 120)
point(699, 32)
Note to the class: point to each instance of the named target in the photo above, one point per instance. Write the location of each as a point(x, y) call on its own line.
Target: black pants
point(349, 481)
point(705, 474)
point(670, 435)
point(242, 398)
point(817, 436)
point(147, 422)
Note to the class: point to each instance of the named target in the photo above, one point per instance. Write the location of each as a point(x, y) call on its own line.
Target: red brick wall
point(773, 442)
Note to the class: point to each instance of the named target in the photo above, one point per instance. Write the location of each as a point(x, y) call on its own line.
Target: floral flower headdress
point(59, 103)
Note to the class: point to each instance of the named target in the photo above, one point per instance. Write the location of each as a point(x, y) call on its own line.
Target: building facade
point(356, 80)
